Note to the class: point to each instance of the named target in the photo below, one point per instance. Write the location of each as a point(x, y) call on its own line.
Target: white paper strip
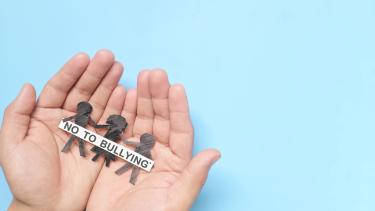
point(108, 145)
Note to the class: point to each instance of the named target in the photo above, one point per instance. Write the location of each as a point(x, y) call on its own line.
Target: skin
point(42, 178)
point(158, 108)
point(39, 175)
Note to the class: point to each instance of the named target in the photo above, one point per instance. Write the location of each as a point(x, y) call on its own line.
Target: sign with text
point(108, 145)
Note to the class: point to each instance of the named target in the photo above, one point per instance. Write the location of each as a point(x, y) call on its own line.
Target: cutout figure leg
point(107, 161)
point(68, 144)
point(108, 158)
point(123, 169)
point(134, 175)
point(81, 144)
point(96, 156)
point(97, 150)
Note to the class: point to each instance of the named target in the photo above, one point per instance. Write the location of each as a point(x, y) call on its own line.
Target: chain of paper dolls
point(115, 125)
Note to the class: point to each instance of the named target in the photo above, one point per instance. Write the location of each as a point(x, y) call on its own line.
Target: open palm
point(40, 176)
point(176, 179)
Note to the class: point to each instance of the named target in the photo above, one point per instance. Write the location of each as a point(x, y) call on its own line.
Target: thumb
point(194, 177)
point(17, 115)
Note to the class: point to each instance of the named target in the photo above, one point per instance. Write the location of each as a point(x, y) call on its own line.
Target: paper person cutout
point(108, 145)
point(144, 147)
point(82, 118)
point(116, 124)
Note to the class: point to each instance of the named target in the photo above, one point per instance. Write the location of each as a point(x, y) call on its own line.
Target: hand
point(40, 176)
point(176, 179)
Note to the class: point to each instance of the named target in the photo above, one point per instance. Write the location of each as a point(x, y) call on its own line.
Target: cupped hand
point(40, 176)
point(176, 178)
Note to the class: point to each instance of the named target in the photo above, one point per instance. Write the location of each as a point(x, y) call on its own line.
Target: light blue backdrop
point(285, 89)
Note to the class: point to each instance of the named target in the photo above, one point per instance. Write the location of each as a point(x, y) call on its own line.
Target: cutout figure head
point(117, 121)
point(147, 140)
point(84, 108)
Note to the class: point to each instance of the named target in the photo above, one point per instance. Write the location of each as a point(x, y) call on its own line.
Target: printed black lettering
point(137, 160)
point(144, 163)
point(103, 144)
point(128, 154)
point(92, 138)
point(86, 133)
point(75, 129)
point(110, 147)
point(115, 151)
point(67, 126)
point(120, 154)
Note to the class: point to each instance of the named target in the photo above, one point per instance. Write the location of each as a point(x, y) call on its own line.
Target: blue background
point(285, 89)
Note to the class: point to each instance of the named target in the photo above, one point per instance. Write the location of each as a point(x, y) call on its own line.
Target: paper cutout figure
point(82, 118)
point(116, 125)
point(144, 147)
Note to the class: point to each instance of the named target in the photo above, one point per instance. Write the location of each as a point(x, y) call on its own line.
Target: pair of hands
point(41, 177)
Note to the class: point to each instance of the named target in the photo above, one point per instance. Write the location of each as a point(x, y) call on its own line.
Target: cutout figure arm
point(93, 123)
point(69, 118)
point(131, 143)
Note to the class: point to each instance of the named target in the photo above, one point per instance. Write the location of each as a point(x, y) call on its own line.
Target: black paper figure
point(116, 125)
point(144, 147)
point(82, 118)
